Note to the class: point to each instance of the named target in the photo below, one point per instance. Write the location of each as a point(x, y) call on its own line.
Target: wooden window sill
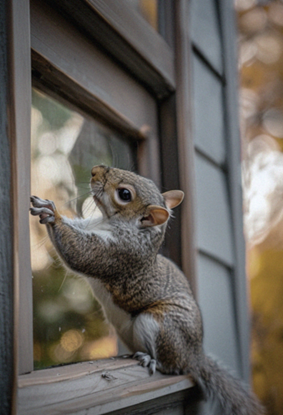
point(96, 387)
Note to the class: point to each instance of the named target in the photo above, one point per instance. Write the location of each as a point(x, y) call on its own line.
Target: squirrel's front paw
point(45, 209)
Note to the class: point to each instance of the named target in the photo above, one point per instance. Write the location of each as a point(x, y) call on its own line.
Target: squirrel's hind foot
point(146, 361)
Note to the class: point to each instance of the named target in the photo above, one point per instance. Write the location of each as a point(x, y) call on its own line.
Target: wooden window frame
point(136, 387)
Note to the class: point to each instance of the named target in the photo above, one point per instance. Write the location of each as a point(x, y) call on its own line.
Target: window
point(109, 110)
point(68, 324)
point(108, 70)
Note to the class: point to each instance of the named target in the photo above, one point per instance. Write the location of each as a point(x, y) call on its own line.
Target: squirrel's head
point(126, 195)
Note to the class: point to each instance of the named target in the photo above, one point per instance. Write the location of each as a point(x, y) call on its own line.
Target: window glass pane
point(68, 322)
point(148, 9)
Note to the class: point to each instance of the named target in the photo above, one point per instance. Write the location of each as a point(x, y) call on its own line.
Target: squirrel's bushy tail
point(234, 397)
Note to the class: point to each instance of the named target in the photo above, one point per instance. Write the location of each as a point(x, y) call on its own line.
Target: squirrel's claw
point(146, 360)
point(40, 203)
point(38, 211)
point(43, 208)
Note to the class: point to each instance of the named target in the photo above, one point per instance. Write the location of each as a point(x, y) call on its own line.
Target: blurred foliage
point(61, 306)
point(54, 116)
point(68, 322)
point(261, 90)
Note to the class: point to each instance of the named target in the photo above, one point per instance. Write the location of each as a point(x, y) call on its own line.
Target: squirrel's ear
point(156, 215)
point(173, 198)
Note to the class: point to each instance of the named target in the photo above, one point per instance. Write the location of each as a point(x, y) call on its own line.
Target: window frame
point(20, 101)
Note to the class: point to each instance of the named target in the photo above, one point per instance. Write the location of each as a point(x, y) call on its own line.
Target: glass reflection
point(68, 322)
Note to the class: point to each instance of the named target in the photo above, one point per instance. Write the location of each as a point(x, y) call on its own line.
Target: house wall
point(220, 245)
point(220, 280)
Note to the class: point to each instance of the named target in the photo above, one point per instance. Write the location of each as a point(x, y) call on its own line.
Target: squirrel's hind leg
point(146, 361)
point(145, 331)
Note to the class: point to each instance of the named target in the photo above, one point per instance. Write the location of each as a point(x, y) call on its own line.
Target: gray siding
point(215, 296)
point(213, 215)
point(218, 263)
point(206, 30)
point(209, 112)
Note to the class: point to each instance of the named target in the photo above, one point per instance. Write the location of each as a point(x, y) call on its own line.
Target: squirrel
point(145, 296)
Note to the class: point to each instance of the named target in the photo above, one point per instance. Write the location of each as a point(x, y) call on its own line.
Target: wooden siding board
point(209, 132)
point(214, 227)
point(172, 404)
point(216, 302)
point(205, 30)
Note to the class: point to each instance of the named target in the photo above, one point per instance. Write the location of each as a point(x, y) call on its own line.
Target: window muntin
point(69, 325)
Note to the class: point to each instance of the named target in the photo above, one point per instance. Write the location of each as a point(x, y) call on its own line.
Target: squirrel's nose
point(97, 169)
point(93, 171)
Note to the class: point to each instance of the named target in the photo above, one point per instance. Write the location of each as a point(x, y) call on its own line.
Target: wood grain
point(126, 36)
point(68, 64)
point(69, 61)
point(100, 387)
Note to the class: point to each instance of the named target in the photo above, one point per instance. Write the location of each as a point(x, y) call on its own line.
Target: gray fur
point(144, 295)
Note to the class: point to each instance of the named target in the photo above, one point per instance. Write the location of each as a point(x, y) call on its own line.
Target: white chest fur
point(99, 227)
point(120, 319)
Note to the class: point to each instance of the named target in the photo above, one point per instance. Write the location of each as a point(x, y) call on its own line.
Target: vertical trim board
point(234, 160)
point(185, 141)
point(20, 119)
point(6, 224)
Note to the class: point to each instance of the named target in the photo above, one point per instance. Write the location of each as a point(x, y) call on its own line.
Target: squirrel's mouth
point(97, 200)
point(100, 205)
point(97, 190)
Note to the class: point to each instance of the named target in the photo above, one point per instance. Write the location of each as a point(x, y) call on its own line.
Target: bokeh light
point(260, 24)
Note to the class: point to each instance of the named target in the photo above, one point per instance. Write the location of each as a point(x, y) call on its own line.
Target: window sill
point(97, 387)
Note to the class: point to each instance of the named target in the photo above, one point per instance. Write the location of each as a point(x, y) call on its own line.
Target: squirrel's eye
point(124, 195)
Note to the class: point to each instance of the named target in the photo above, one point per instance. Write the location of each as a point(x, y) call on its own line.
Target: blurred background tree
point(260, 26)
